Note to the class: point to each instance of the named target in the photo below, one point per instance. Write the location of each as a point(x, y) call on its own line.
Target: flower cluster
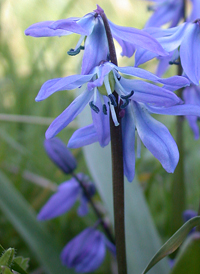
point(87, 250)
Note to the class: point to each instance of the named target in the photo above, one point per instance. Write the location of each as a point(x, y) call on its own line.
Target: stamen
point(114, 117)
point(105, 109)
point(112, 100)
point(125, 104)
point(128, 96)
point(119, 77)
point(175, 62)
point(73, 52)
point(138, 145)
point(93, 107)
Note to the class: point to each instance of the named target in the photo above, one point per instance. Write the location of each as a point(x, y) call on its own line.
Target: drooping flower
point(101, 82)
point(93, 35)
point(60, 155)
point(166, 11)
point(86, 251)
point(66, 196)
point(191, 95)
point(153, 134)
point(182, 40)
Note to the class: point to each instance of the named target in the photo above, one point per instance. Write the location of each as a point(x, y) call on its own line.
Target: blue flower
point(101, 82)
point(166, 11)
point(185, 36)
point(60, 155)
point(86, 251)
point(153, 134)
point(93, 35)
point(191, 95)
point(66, 196)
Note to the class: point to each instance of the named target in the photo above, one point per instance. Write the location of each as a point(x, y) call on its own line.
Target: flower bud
point(60, 155)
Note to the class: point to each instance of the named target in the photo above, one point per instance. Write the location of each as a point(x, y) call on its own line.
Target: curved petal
point(83, 137)
point(195, 14)
point(190, 53)
point(96, 48)
point(178, 81)
point(42, 29)
point(66, 83)
point(137, 38)
point(128, 139)
point(62, 201)
point(69, 24)
point(142, 56)
point(156, 138)
point(101, 122)
point(83, 208)
point(68, 114)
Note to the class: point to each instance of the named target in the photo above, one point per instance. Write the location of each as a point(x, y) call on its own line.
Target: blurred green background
point(25, 64)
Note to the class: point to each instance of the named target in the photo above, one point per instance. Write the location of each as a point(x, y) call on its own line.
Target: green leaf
point(35, 234)
point(22, 262)
point(7, 257)
point(173, 243)
point(142, 239)
point(187, 260)
point(5, 270)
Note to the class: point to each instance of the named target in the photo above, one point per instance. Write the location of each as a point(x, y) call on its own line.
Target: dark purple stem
point(117, 164)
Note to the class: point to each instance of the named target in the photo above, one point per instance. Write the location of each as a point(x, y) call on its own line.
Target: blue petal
point(195, 14)
point(83, 208)
point(101, 122)
point(62, 201)
point(128, 138)
point(66, 83)
point(156, 138)
point(96, 48)
point(137, 38)
point(70, 24)
point(149, 93)
point(42, 29)
point(83, 137)
point(69, 114)
point(85, 252)
point(190, 53)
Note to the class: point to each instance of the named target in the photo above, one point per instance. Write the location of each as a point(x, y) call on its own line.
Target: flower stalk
point(117, 165)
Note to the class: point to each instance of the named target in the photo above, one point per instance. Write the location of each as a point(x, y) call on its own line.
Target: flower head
point(60, 155)
point(183, 40)
point(86, 251)
point(166, 11)
point(65, 197)
point(93, 35)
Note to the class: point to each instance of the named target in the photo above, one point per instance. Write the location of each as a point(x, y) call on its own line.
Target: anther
point(73, 52)
point(119, 78)
point(93, 107)
point(125, 104)
point(112, 100)
point(174, 62)
point(128, 95)
point(105, 109)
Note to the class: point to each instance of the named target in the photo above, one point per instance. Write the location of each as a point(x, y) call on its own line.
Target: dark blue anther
point(112, 100)
point(104, 109)
point(119, 78)
point(73, 52)
point(128, 95)
point(93, 107)
point(125, 104)
point(174, 62)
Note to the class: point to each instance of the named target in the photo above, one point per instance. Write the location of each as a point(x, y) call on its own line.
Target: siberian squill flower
point(86, 251)
point(66, 196)
point(191, 95)
point(93, 37)
point(183, 40)
point(101, 83)
point(60, 155)
point(166, 11)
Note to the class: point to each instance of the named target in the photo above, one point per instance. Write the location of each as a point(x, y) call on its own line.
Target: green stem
point(117, 166)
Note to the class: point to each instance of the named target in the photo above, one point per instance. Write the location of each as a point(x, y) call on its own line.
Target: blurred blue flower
point(93, 35)
point(101, 83)
point(191, 95)
point(86, 251)
point(166, 11)
point(60, 155)
point(183, 40)
point(66, 196)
